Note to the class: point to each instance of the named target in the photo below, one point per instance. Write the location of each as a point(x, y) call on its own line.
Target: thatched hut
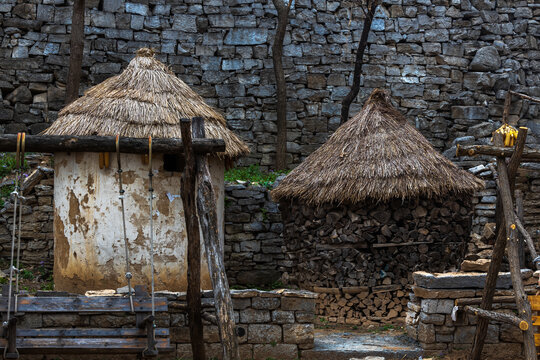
point(145, 99)
point(370, 206)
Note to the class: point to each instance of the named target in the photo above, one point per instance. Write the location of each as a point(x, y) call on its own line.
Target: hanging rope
point(21, 167)
point(15, 194)
point(151, 197)
point(121, 197)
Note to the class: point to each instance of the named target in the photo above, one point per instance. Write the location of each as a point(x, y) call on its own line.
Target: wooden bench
point(143, 339)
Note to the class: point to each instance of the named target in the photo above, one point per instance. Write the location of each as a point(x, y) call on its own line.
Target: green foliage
point(273, 343)
point(27, 274)
point(5, 191)
point(254, 174)
point(7, 164)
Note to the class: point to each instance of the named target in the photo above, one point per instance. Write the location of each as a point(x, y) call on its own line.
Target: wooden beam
point(478, 301)
point(194, 245)
point(206, 206)
point(527, 238)
point(61, 143)
point(523, 96)
point(496, 316)
point(531, 155)
point(521, 238)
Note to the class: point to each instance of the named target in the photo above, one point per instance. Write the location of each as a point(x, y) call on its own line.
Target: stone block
point(65, 320)
point(283, 317)
point(454, 280)
point(264, 333)
point(253, 36)
point(426, 333)
point(138, 9)
point(436, 319)
point(184, 22)
point(437, 306)
point(298, 333)
point(302, 304)
point(251, 316)
point(265, 303)
point(277, 351)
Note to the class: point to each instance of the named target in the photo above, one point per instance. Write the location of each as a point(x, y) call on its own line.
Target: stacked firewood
point(372, 246)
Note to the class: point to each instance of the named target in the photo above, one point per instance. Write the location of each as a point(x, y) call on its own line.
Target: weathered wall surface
point(446, 62)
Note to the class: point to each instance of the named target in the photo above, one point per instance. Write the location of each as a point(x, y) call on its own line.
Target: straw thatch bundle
point(375, 155)
point(145, 99)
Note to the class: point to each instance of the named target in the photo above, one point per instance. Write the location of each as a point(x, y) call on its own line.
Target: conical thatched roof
point(378, 156)
point(145, 99)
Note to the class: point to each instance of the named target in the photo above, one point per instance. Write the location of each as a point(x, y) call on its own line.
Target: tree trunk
point(281, 86)
point(76, 51)
point(372, 7)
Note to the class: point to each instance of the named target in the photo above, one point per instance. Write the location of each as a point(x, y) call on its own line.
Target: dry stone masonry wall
point(431, 308)
point(446, 62)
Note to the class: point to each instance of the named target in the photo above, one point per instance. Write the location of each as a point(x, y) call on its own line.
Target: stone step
point(344, 345)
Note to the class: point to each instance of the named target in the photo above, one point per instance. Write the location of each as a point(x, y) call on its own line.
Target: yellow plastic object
point(535, 302)
point(523, 325)
point(536, 320)
point(537, 339)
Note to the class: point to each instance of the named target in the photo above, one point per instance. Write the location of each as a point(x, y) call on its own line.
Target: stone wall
point(429, 315)
point(37, 220)
point(447, 63)
point(253, 242)
point(274, 324)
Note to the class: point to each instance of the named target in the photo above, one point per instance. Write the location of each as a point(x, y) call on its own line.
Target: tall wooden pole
point(523, 306)
point(499, 247)
point(194, 244)
point(76, 49)
point(206, 205)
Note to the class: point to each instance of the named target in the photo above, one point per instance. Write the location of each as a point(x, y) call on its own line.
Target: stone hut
point(146, 99)
point(372, 205)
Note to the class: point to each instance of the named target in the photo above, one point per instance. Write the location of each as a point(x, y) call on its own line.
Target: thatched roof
point(378, 156)
point(145, 99)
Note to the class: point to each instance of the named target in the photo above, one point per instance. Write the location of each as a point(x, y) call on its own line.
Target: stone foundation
point(429, 314)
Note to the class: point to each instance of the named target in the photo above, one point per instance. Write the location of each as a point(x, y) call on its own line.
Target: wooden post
point(521, 238)
point(523, 306)
point(194, 244)
point(206, 205)
point(76, 52)
point(495, 265)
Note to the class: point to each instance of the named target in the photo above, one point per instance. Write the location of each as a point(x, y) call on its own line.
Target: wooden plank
point(86, 345)
point(68, 143)
point(84, 304)
point(89, 332)
point(194, 245)
point(496, 316)
point(206, 206)
point(536, 320)
point(537, 339)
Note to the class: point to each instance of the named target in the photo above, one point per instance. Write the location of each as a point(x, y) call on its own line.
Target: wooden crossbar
point(89, 332)
point(84, 304)
point(87, 345)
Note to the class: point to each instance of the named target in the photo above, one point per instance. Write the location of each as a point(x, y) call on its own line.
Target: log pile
point(361, 257)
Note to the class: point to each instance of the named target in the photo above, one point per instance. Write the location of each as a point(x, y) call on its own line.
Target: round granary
point(372, 205)
point(146, 99)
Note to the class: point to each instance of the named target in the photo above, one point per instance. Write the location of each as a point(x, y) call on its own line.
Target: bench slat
point(86, 345)
point(84, 304)
point(89, 332)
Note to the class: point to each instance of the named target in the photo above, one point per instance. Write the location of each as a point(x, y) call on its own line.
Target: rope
point(151, 197)
point(15, 203)
point(121, 197)
point(21, 164)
